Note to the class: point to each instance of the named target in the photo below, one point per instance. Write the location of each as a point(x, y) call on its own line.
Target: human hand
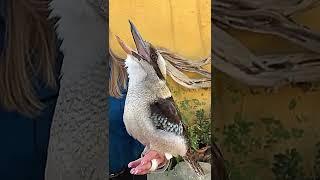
point(143, 165)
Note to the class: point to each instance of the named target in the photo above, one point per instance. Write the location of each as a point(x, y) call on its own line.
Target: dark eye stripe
point(154, 62)
point(154, 56)
point(137, 56)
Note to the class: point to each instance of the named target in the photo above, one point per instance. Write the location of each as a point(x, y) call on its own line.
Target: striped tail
point(194, 165)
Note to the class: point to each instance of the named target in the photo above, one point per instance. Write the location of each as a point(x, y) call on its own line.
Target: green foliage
point(238, 137)
point(241, 140)
point(316, 166)
point(297, 133)
point(276, 132)
point(288, 166)
point(190, 104)
point(200, 132)
point(199, 123)
point(292, 104)
point(249, 142)
point(199, 127)
point(185, 104)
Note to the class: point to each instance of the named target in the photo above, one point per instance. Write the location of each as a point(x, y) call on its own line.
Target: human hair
point(29, 53)
point(118, 76)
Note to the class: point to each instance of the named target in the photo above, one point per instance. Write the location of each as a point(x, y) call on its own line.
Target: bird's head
point(146, 62)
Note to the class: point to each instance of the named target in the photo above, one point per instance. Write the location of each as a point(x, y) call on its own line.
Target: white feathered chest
point(147, 113)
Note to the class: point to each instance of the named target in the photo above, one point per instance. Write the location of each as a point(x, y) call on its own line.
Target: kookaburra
point(150, 113)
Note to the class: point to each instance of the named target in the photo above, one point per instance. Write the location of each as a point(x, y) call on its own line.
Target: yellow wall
point(182, 26)
point(254, 106)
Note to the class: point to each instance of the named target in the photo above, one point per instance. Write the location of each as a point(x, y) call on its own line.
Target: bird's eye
point(154, 56)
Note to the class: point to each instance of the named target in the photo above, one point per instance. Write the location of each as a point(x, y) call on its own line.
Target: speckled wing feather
point(166, 116)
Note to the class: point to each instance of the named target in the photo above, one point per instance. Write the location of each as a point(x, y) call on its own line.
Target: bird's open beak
point(142, 48)
point(126, 48)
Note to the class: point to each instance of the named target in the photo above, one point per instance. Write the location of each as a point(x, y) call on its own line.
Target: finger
point(149, 156)
point(159, 157)
point(141, 168)
point(143, 172)
point(135, 163)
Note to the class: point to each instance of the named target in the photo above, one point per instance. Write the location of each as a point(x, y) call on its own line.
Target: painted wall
point(253, 127)
point(183, 27)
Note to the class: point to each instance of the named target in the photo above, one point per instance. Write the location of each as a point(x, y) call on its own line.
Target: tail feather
point(194, 165)
point(219, 169)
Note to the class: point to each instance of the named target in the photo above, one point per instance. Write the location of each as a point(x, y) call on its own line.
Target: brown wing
point(166, 116)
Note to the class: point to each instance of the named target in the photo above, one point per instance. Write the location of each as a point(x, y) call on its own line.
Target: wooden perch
point(286, 7)
point(269, 17)
point(185, 81)
point(231, 57)
point(267, 22)
point(185, 64)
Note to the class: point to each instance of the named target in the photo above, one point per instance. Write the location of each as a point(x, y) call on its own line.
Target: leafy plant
point(276, 132)
point(297, 133)
point(288, 166)
point(316, 166)
point(200, 131)
point(238, 137)
point(292, 104)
